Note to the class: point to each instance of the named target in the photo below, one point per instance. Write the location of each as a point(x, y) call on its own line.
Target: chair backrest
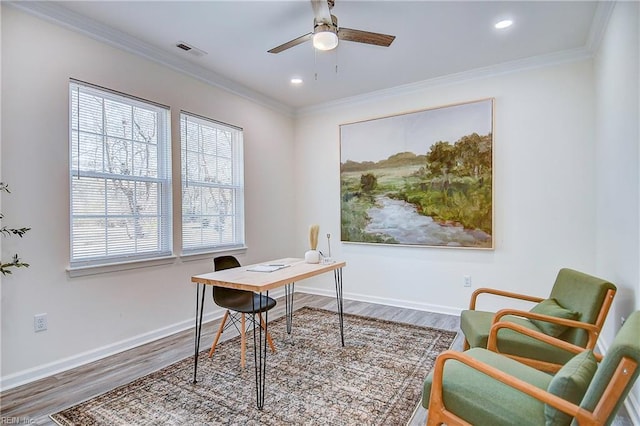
point(225, 262)
point(588, 295)
point(616, 373)
point(228, 297)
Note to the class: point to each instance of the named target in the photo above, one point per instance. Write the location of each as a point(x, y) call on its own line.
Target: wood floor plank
point(34, 401)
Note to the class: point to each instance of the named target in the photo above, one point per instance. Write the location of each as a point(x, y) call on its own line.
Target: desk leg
point(337, 275)
point(260, 353)
point(198, 329)
point(288, 301)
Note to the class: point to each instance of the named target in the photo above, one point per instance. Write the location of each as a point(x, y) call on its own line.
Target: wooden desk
point(243, 278)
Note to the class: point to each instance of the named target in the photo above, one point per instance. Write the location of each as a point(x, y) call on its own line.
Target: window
point(212, 185)
point(120, 177)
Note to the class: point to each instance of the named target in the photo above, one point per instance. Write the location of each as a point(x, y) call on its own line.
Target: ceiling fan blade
point(291, 43)
point(365, 37)
point(321, 11)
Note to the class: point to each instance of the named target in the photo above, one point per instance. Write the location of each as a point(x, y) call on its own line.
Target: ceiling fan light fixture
point(325, 40)
point(327, 34)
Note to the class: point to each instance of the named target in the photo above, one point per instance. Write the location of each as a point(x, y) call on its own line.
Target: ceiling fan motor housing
point(326, 33)
point(320, 26)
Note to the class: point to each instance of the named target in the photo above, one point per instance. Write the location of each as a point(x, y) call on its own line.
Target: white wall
point(544, 195)
point(617, 85)
point(566, 184)
point(92, 316)
point(564, 140)
point(617, 82)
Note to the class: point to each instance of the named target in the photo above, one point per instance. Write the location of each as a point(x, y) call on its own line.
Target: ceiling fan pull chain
point(315, 64)
point(326, 33)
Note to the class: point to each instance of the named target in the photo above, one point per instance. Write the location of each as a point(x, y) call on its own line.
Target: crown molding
point(57, 14)
point(603, 12)
point(520, 65)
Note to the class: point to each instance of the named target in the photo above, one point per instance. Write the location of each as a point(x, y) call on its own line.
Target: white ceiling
point(433, 39)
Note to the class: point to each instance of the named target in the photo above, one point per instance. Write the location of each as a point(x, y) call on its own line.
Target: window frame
point(236, 186)
point(162, 182)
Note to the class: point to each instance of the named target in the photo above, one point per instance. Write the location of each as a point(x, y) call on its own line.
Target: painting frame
point(421, 178)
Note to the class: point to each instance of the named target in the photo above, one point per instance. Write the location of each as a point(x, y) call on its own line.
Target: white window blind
point(120, 181)
point(212, 185)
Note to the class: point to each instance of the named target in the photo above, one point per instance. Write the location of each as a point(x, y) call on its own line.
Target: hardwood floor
point(32, 403)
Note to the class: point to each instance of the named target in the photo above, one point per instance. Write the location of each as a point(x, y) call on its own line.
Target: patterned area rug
point(376, 379)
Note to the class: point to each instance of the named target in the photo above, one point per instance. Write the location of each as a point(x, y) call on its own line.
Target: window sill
point(81, 271)
point(190, 257)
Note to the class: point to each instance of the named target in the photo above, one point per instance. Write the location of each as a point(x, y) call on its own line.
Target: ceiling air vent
point(191, 49)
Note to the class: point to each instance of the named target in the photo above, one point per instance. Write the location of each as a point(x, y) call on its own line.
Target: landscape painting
point(423, 178)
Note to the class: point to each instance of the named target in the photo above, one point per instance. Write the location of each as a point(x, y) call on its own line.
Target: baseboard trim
point(398, 303)
point(56, 367)
point(43, 371)
point(631, 403)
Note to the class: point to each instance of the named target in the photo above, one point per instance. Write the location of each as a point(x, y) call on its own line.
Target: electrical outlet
point(467, 280)
point(40, 322)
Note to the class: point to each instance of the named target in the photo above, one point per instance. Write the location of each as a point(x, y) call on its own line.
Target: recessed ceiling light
point(296, 80)
point(506, 23)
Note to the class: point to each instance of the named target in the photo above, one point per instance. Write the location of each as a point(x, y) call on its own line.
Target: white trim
point(599, 25)
point(43, 371)
point(81, 271)
point(27, 376)
point(58, 14)
point(567, 56)
point(399, 303)
point(210, 254)
point(631, 404)
point(55, 367)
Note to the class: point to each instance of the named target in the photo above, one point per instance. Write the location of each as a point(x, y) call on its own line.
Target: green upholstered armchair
point(481, 387)
point(574, 312)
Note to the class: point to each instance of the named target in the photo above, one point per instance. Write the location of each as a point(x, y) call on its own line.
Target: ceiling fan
point(326, 32)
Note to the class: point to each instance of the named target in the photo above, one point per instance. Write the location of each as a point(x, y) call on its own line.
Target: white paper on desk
point(266, 268)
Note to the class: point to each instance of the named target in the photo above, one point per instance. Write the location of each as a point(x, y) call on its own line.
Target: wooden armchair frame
point(438, 413)
point(593, 330)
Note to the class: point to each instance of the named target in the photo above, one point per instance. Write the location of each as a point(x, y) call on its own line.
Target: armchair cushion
point(467, 395)
point(570, 383)
point(590, 297)
point(551, 307)
point(481, 400)
point(476, 326)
